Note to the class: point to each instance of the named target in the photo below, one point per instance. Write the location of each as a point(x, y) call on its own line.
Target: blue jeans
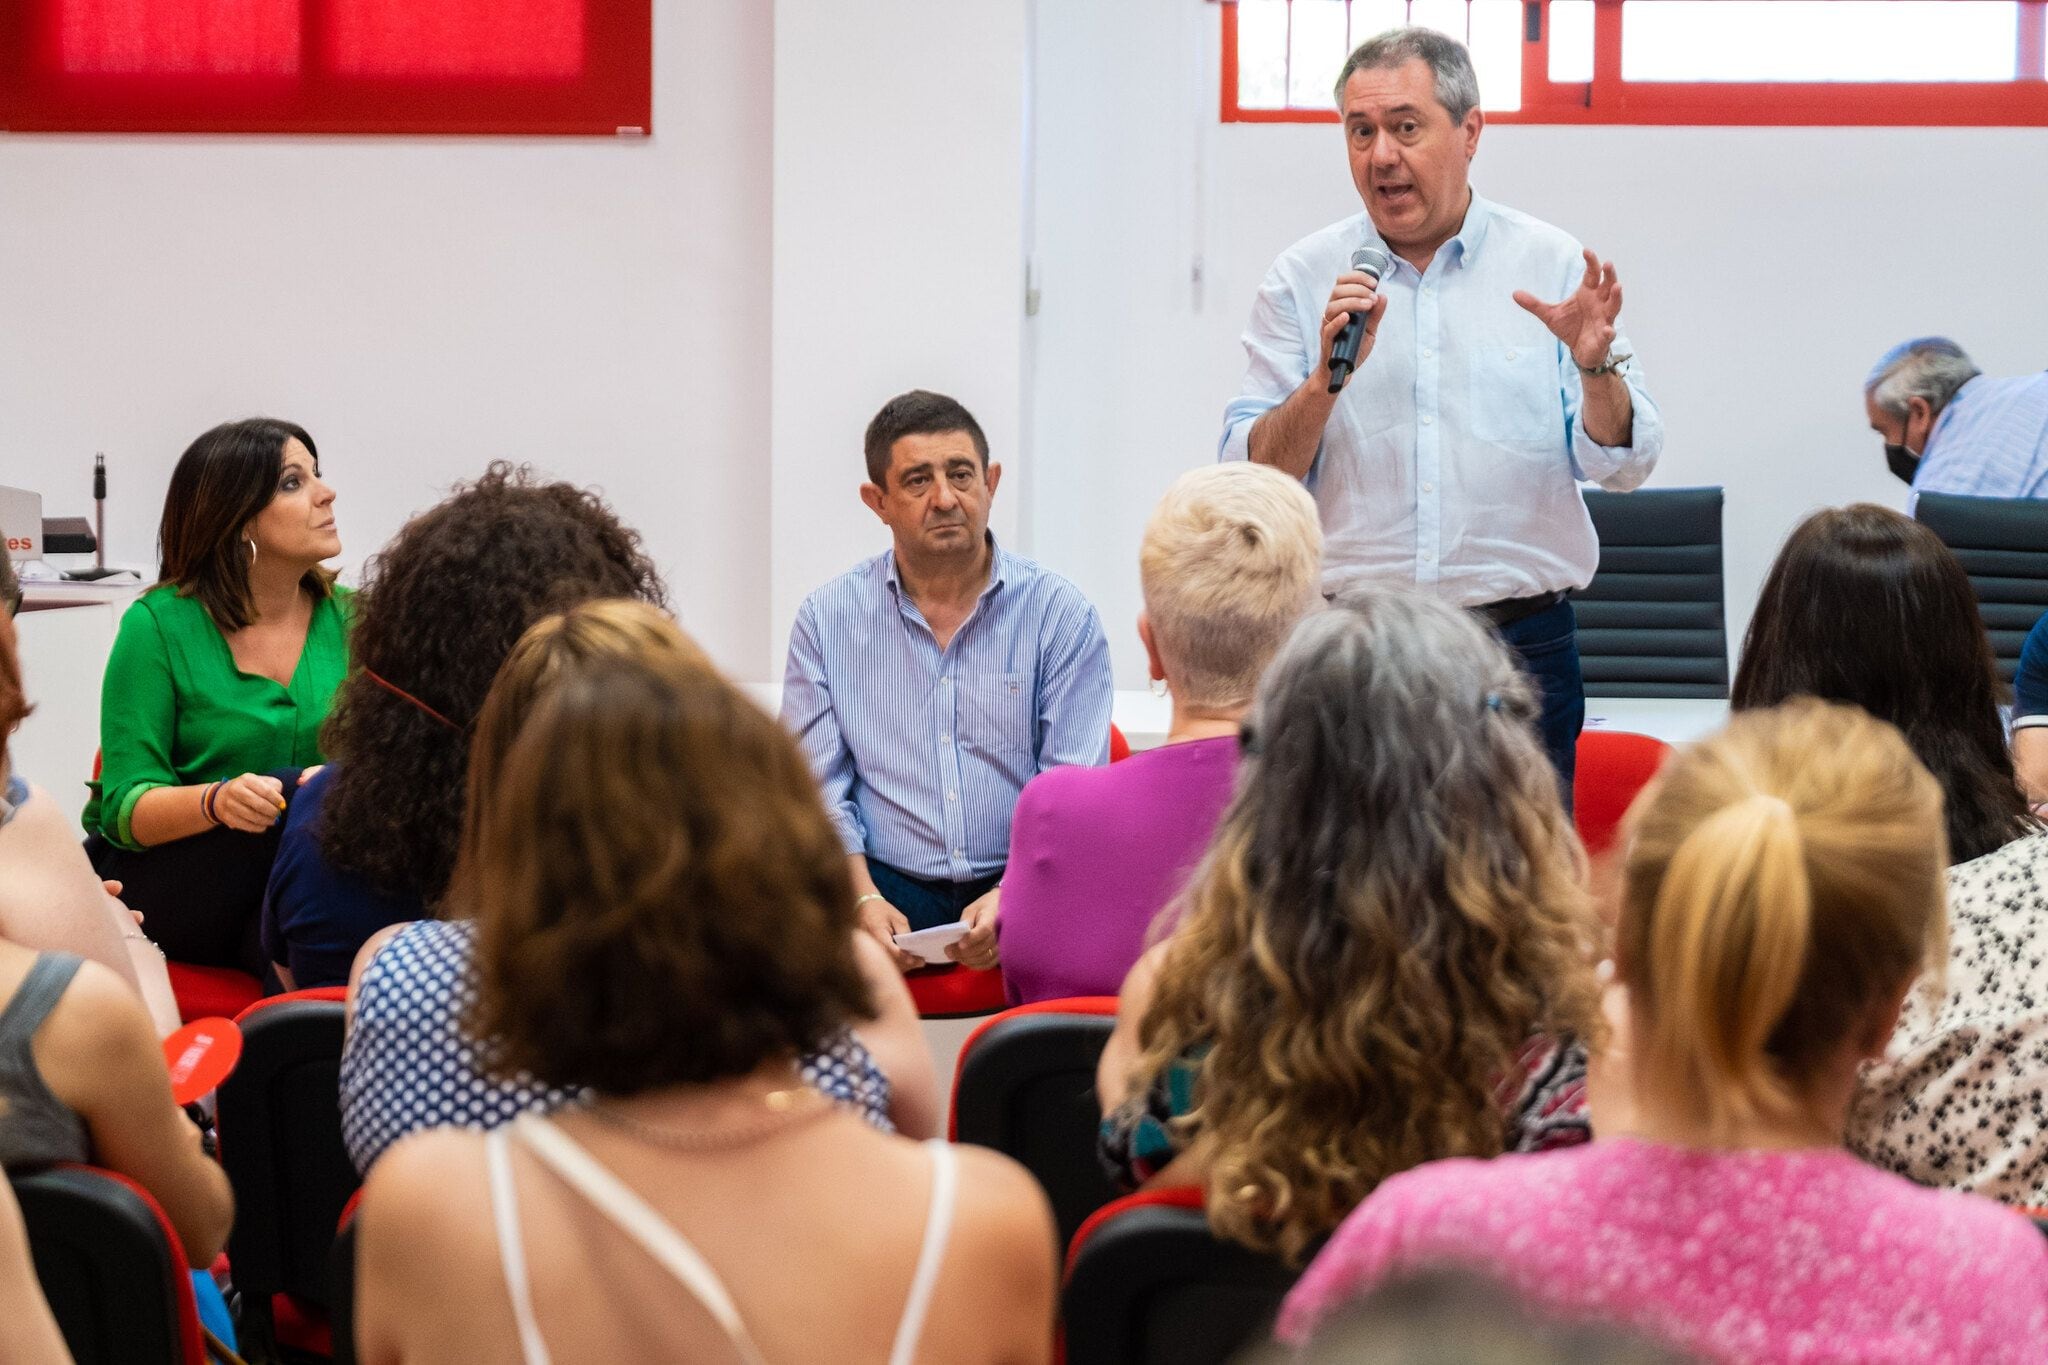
point(928, 904)
point(1547, 647)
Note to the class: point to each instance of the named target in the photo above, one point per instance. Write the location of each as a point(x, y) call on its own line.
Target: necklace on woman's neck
point(790, 1108)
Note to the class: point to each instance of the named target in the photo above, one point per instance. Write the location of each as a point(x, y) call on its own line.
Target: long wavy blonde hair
point(1393, 906)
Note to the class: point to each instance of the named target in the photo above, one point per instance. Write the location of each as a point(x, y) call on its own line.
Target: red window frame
point(1607, 98)
point(613, 93)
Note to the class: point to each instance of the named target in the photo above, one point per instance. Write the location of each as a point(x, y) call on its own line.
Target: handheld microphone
point(1344, 354)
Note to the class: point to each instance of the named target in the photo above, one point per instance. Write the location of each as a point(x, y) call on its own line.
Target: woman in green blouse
point(216, 689)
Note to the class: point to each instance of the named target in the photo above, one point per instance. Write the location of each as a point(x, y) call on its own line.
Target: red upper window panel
point(534, 39)
point(179, 37)
point(327, 66)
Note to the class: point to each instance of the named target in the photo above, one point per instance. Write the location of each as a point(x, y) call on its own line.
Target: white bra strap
point(511, 1248)
point(632, 1215)
point(938, 1230)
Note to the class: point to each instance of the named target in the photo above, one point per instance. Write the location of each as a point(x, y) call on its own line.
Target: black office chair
point(281, 1145)
point(1653, 622)
point(1026, 1087)
point(2003, 544)
point(1147, 1284)
point(341, 1291)
point(111, 1267)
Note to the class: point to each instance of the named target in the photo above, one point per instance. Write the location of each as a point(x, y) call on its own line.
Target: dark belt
point(1512, 609)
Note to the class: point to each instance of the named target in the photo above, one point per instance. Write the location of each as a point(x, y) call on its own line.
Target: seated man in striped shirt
point(928, 684)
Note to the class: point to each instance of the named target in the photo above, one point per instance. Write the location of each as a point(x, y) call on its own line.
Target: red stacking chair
point(212, 992)
point(1025, 1085)
point(280, 1142)
point(1148, 1284)
point(111, 1267)
point(1613, 766)
point(956, 992)
point(341, 1284)
point(1119, 747)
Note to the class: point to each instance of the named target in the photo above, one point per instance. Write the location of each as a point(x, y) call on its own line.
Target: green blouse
point(175, 711)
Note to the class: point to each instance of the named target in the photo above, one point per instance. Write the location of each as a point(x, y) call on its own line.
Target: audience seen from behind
point(50, 897)
point(218, 683)
point(1229, 563)
point(1866, 606)
point(667, 925)
point(371, 839)
point(1781, 892)
point(1950, 428)
point(1384, 957)
point(82, 1073)
point(928, 684)
point(409, 1062)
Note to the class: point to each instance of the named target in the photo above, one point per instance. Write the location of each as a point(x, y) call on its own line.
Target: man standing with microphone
point(1450, 457)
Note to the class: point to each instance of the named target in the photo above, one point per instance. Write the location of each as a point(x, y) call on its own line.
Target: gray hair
point(1386, 718)
point(1457, 84)
point(1229, 563)
point(1932, 368)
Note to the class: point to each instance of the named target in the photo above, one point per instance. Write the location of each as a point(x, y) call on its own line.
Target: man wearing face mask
point(1452, 455)
point(1949, 428)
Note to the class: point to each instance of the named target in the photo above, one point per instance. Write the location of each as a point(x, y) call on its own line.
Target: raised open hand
point(1585, 321)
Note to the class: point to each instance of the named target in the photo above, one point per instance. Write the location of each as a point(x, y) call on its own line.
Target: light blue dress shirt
point(921, 751)
point(1991, 441)
point(1453, 456)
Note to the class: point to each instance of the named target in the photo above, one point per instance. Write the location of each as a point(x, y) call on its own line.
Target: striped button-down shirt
point(921, 751)
point(1452, 458)
point(1991, 441)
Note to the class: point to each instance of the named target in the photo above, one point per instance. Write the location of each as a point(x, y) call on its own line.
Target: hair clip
point(1493, 702)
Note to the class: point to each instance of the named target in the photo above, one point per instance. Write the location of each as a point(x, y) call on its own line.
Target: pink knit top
point(1789, 1256)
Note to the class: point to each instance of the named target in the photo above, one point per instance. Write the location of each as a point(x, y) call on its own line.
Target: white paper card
point(931, 944)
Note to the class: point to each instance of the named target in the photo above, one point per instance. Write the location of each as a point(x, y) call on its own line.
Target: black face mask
point(1902, 462)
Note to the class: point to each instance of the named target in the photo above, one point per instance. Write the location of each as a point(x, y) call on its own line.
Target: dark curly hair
point(442, 606)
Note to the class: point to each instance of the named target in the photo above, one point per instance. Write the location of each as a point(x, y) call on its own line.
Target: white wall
point(835, 206)
point(422, 305)
point(1765, 269)
point(899, 230)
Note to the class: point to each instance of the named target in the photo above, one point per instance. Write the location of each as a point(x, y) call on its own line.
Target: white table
point(1675, 720)
point(1144, 718)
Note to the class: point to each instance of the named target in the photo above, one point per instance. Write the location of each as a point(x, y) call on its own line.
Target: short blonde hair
point(1783, 878)
point(1230, 562)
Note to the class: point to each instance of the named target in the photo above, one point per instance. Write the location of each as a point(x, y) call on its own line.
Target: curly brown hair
point(1393, 906)
point(660, 897)
point(442, 606)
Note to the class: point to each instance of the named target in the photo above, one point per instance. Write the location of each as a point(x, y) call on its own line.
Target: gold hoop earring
point(251, 543)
